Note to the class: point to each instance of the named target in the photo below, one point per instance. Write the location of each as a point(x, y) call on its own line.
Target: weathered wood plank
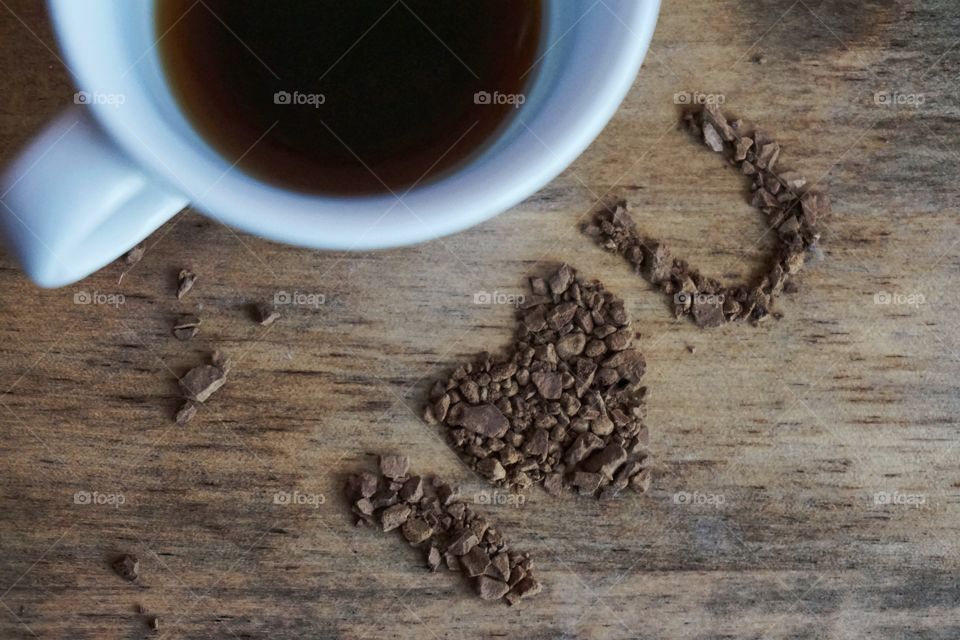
point(779, 438)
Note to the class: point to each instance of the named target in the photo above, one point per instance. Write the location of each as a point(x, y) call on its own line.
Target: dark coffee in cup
point(349, 96)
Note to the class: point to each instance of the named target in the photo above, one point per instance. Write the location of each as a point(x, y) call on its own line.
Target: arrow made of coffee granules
point(432, 517)
point(791, 207)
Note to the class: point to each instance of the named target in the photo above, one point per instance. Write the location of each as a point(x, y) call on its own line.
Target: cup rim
point(330, 221)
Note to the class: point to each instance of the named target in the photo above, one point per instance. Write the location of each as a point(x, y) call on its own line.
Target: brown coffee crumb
point(186, 327)
point(267, 314)
point(186, 413)
point(135, 255)
point(525, 588)
point(433, 558)
point(186, 280)
point(394, 467)
point(127, 567)
point(394, 516)
point(485, 420)
point(131, 258)
point(221, 360)
point(491, 588)
point(202, 382)
point(416, 530)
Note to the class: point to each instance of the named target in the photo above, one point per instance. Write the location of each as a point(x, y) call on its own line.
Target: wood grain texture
point(782, 435)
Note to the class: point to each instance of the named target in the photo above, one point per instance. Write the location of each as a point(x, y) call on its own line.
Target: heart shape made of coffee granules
point(565, 407)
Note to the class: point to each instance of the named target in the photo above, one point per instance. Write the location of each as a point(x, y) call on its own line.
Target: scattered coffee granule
point(220, 360)
point(431, 517)
point(131, 258)
point(186, 281)
point(135, 255)
point(200, 383)
point(792, 208)
point(186, 327)
point(186, 413)
point(267, 314)
point(565, 408)
point(127, 567)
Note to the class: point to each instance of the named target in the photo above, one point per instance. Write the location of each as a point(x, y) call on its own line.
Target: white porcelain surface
point(77, 197)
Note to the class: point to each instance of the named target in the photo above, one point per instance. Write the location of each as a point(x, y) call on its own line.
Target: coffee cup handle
point(71, 202)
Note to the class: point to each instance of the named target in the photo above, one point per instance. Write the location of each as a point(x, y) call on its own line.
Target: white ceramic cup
point(124, 159)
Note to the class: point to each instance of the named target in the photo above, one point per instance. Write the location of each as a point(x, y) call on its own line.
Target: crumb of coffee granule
point(565, 407)
point(131, 258)
point(185, 282)
point(127, 567)
point(201, 382)
point(186, 413)
point(266, 314)
point(186, 327)
point(135, 255)
point(431, 516)
point(792, 209)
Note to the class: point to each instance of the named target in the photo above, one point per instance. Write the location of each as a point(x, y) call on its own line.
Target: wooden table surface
point(818, 451)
